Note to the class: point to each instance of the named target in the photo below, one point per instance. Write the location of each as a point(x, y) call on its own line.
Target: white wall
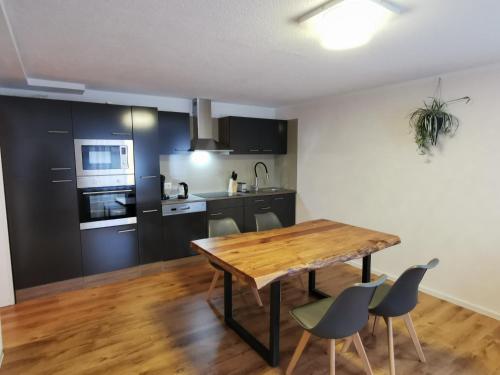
point(357, 163)
point(209, 172)
point(6, 285)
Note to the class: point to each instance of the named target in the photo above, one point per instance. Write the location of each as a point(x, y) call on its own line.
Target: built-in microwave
point(104, 157)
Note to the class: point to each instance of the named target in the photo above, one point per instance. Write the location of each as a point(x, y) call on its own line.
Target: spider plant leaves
point(431, 120)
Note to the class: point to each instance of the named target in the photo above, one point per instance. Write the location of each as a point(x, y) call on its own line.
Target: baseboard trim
point(435, 293)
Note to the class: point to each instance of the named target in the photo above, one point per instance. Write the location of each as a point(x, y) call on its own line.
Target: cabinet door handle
point(265, 208)
point(216, 214)
point(58, 131)
point(279, 199)
point(126, 230)
point(258, 200)
point(60, 169)
point(179, 150)
point(120, 133)
point(254, 150)
point(149, 211)
point(147, 177)
point(184, 208)
point(267, 150)
point(60, 181)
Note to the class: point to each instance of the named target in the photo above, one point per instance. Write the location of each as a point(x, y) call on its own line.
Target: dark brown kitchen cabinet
point(37, 149)
point(147, 182)
point(224, 208)
point(246, 135)
point(101, 121)
point(283, 205)
point(109, 249)
point(174, 132)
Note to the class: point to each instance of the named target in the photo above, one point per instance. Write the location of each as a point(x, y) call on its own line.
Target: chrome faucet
point(257, 177)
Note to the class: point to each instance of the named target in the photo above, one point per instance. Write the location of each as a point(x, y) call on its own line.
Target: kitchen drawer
point(109, 249)
point(235, 213)
point(224, 203)
point(258, 201)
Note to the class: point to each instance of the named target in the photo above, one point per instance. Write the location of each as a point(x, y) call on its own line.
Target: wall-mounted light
point(200, 158)
point(345, 24)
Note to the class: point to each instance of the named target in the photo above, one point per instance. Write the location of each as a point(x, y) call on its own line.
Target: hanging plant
point(431, 120)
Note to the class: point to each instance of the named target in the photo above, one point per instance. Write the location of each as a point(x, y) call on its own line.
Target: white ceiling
point(244, 51)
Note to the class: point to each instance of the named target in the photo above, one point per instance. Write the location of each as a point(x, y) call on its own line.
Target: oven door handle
point(106, 192)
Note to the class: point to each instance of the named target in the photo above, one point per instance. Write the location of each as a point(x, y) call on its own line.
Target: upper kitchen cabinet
point(40, 189)
point(174, 132)
point(101, 121)
point(247, 135)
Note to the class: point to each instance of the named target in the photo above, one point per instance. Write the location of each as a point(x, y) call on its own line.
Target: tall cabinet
point(147, 183)
point(40, 187)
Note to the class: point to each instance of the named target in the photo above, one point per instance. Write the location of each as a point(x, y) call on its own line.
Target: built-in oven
point(104, 157)
point(107, 206)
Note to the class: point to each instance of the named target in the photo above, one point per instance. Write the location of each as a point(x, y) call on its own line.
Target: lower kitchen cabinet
point(283, 205)
point(149, 226)
point(232, 208)
point(180, 230)
point(109, 249)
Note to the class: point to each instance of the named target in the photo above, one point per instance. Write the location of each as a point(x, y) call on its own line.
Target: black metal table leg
point(312, 287)
point(367, 266)
point(271, 354)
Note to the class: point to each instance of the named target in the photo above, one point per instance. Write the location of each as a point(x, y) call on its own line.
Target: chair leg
point(361, 352)
point(213, 284)
point(414, 338)
point(298, 352)
point(257, 296)
point(390, 342)
point(347, 344)
point(332, 357)
point(374, 324)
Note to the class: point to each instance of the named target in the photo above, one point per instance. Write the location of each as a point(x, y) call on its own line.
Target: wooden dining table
point(263, 258)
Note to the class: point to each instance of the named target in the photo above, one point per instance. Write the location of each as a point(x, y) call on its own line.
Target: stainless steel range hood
point(202, 136)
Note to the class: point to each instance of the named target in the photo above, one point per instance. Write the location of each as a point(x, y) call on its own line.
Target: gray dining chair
point(399, 300)
point(221, 228)
point(269, 221)
point(336, 318)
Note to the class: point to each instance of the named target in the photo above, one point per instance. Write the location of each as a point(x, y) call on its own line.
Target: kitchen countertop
point(196, 198)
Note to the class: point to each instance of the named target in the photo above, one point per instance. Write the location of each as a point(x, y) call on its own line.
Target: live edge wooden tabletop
point(263, 257)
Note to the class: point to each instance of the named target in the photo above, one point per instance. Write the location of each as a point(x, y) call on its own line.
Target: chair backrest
point(349, 312)
point(222, 227)
point(403, 295)
point(267, 221)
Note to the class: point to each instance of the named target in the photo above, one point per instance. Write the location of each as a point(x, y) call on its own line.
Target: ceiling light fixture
point(345, 24)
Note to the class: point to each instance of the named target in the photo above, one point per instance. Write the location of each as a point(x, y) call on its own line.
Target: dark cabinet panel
point(235, 213)
point(101, 121)
point(109, 249)
point(282, 205)
point(40, 189)
point(174, 132)
point(151, 246)
point(180, 230)
point(147, 180)
point(253, 136)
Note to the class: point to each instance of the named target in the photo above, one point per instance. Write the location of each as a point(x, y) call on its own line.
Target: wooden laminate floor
point(161, 324)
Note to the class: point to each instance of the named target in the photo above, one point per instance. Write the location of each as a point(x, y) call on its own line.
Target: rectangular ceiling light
point(56, 86)
point(345, 24)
